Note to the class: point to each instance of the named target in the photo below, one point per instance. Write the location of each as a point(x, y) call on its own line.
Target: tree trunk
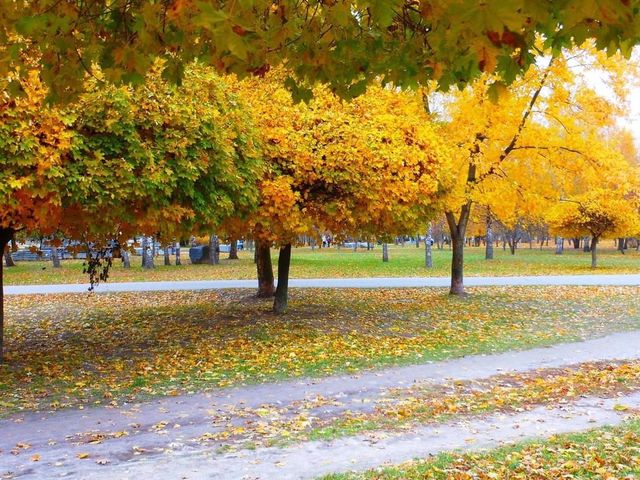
point(214, 250)
point(233, 249)
point(417, 240)
point(488, 251)
point(9, 259)
point(5, 235)
point(282, 291)
point(266, 287)
point(512, 246)
point(586, 247)
point(457, 266)
point(559, 245)
point(147, 254)
point(167, 255)
point(126, 260)
point(178, 259)
point(428, 244)
point(458, 230)
point(594, 254)
point(7, 253)
point(622, 244)
point(55, 257)
point(385, 252)
point(576, 243)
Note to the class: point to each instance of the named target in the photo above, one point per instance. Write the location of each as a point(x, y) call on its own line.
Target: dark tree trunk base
point(281, 299)
point(233, 249)
point(8, 259)
point(266, 287)
point(457, 267)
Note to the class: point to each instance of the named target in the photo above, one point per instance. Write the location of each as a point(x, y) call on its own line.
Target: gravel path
point(162, 432)
point(379, 282)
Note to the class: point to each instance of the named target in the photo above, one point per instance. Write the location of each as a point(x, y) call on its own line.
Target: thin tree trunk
point(167, 255)
point(143, 243)
point(177, 251)
point(55, 257)
point(417, 240)
point(559, 245)
point(126, 260)
point(147, 253)
point(266, 287)
point(457, 266)
point(8, 258)
point(282, 291)
point(458, 230)
point(5, 235)
point(428, 247)
point(594, 254)
point(385, 252)
point(488, 251)
point(586, 246)
point(214, 250)
point(233, 249)
point(622, 244)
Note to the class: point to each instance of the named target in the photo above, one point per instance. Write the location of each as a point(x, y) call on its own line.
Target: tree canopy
point(344, 43)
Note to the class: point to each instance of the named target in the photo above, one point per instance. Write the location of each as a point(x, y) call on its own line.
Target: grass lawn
point(328, 263)
point(605, 453)
point(67, 350)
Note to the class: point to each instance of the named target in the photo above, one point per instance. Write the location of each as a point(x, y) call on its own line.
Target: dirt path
point(164, 432)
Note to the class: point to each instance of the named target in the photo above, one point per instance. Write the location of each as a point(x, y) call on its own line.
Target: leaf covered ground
point(605, 453)
point(80, 349)
point(330, 263)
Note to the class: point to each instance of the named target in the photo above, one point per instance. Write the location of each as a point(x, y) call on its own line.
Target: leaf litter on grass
point(77, 349)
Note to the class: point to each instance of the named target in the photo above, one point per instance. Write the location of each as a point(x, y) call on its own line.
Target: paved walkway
point(379, 282)
point(156, 438)
point(313, 459)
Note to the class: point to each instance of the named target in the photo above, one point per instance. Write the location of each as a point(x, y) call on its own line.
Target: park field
point(407, 261)
point(70, 350)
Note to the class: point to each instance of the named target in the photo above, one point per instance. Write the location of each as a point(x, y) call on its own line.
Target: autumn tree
point(599, 214)
point(601, 200)
point(34, 142)
point(123, 159)
point(364, 168)
point(510, 141)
